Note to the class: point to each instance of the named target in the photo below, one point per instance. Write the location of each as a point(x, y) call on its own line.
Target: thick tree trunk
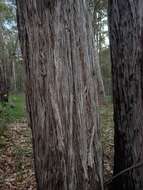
point(126, 38)
point(58, 51)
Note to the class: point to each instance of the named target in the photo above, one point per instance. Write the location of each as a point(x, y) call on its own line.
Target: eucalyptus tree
point(61, 91)
point(126, 39)
point(98, 11)
point(6, 34)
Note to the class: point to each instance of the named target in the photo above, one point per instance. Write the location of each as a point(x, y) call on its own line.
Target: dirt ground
point(16, 160)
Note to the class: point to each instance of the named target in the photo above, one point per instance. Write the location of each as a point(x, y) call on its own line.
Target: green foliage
point(12, 111)
point(6, 13)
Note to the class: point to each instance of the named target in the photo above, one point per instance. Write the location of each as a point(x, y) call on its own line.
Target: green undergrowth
point(12, 111)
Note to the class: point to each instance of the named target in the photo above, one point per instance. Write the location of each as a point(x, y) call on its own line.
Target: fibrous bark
point(126, 38)
point(58, 51)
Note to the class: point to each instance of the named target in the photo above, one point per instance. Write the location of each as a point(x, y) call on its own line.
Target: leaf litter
point(16, 156)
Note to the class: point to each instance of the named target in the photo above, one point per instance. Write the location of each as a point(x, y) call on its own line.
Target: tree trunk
point(4, 72)
point(14, 75)
point(3, 85)
point(126, 38)
point(13, 65)
point(100, 84)
point(58, 51)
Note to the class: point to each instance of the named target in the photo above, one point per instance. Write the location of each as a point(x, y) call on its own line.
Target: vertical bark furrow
point(126, 24)
point(58, 51)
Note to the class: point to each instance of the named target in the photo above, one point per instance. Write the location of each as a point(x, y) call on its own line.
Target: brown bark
point(58, 51)
point(126, 38)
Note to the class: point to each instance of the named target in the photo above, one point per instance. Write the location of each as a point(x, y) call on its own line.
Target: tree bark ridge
point(58, 50)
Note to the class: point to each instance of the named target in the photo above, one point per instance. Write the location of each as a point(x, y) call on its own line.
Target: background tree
point(98, 10)
point(105, 63)
point(5, 15)
point(58, 51)
point(9, 50)
point(126, 38)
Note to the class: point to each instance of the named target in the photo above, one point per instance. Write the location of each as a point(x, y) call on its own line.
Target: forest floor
point(16, 158)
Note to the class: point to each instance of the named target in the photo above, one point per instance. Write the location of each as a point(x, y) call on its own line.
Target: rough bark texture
point(58, 51)
point(126, 38)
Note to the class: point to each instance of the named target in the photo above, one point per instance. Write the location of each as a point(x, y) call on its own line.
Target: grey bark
point(100, 84)
point(126, 39)
point(14, 75)
point(4, 70)
point(95, 25)
point(14, 65)
point(61, 92)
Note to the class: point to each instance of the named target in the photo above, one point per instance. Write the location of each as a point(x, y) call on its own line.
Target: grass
point(14, 110)
point(18, 112)
point(10, 112)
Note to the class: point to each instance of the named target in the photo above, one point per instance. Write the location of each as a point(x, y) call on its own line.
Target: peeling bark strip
point(126, 38)
point(58, 50)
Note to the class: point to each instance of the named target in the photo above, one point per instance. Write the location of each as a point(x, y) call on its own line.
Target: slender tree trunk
point(13, 65)
point(126, 38)
point(100, 84)
point(4, 75)
point(58, 51)
point(14, 76)
point(3, 85)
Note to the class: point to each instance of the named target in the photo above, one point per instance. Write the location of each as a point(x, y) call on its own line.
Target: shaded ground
point(16, 160)
point(106, 113)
